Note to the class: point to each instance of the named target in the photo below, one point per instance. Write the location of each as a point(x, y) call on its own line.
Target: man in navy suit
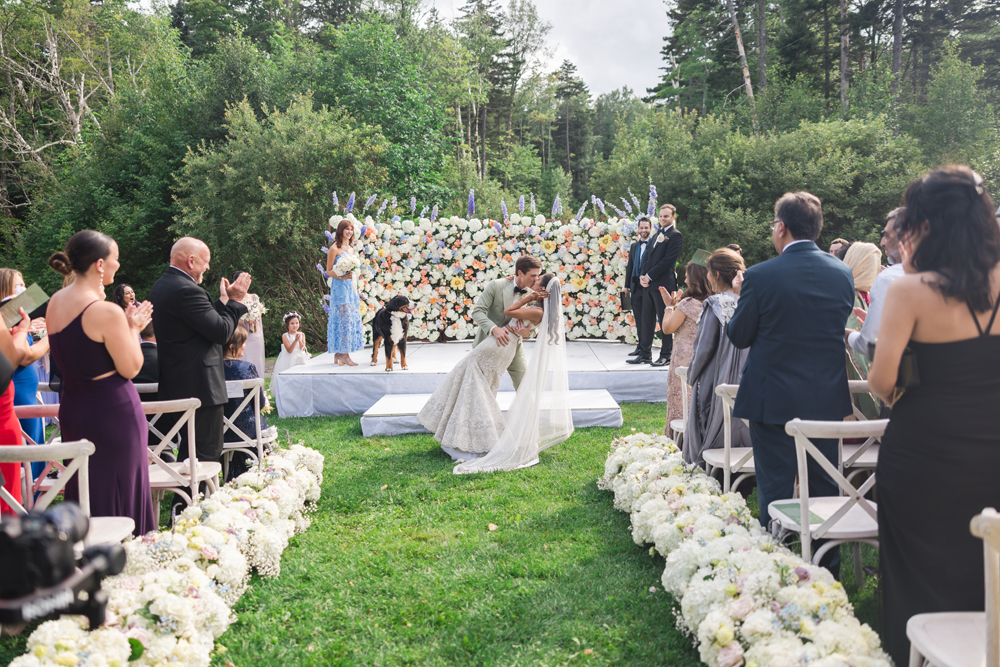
point(657, 268)
point(791, 315)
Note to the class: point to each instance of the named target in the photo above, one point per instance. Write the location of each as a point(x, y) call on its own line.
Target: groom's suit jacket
point(488, 313)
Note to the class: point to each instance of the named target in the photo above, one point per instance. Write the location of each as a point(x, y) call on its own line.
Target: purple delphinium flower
point(413, 204)
point(371, 200)
point(472, 203)
point(319, 267)
point(600, 205)
point(651, 209)
point(336, 204)
point(635, 200)
point(434, 213)
point(329, 236)
point(364, 230)
point(324, 250)
point(620, 213)
point(532, 203)
point(393, 204)
point(520, 204)
point(579, 214)
point(350, 204)
point(381, 209)
point(628, 207)
point(556, 207)
point(496, 226)
point(423, 213)
point(503, 209)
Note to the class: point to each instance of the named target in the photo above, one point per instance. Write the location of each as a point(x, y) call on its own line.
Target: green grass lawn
point(400, 566)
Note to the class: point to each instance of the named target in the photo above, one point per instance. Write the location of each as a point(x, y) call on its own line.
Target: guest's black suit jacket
point(633, 251)
point(191, 332)
point(791, 314)
point(660, 260)
point(150, 371)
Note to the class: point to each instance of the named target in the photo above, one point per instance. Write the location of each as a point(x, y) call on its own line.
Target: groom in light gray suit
point(498, 295)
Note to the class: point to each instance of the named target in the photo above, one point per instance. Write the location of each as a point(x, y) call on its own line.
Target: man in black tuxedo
point(791, 315)
point(636, 252)
point(150, 371)
point(191, 332)
point(658, 268)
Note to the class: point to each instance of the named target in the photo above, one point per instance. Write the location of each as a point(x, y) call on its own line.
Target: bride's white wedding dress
point(463, 413)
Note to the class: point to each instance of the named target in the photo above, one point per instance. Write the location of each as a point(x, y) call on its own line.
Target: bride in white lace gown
point(463, 413)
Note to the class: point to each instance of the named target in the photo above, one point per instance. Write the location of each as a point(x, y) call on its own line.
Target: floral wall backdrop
point(443, 265)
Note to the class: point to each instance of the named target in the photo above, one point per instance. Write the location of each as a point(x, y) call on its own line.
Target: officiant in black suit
point(790, 314)
point(657, 268)
point(191, 331)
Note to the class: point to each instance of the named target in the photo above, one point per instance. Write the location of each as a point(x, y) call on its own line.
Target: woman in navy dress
point(238, 369)
point(343, 331)
point(96, 346)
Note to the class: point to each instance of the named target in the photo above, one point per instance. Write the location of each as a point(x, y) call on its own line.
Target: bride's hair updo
point(81, 251)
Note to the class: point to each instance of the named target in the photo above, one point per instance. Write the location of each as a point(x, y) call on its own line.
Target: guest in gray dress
point(715, 362)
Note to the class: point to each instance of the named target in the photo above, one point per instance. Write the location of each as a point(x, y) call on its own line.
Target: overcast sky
point(613, 43)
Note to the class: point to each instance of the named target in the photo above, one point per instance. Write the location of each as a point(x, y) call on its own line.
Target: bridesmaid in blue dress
point(344, 332)
point(96, 346)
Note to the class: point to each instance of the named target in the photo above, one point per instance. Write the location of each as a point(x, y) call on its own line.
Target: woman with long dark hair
point(680, 318)
point(343, 330)
point(941, 451)
point(123, 296)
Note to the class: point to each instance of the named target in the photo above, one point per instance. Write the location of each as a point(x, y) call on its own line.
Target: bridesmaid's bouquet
point(350, 262)
point(255, 308)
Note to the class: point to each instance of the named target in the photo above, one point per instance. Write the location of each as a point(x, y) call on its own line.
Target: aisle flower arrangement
point(444, 265)
point(744, 598)
point(174, 599)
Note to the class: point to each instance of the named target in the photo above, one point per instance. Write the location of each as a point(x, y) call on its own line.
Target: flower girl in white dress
point(293, 345)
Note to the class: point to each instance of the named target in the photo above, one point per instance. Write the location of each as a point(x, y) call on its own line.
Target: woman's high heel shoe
point(349, 362)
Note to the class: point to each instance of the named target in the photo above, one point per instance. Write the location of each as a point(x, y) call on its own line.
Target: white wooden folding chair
point(964, 638)
point(253, 446)
point(103, 529)
point(30, 487)
point(849, 517)
point(732, 460)
point(677, 425)
point(858, 459)
point(182, 478)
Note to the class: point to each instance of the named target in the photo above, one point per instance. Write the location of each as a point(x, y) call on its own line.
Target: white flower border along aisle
point(444, 265)
point(175, 596)
point(746, 599)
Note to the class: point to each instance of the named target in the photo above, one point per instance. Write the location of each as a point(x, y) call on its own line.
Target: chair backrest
point(857, 387)
point(187, 407)
point(77, 453)
point(987, 527)
point(256, 386)
point(727, 392)
point(32, 486)
point(804, 433)
point(682, 373)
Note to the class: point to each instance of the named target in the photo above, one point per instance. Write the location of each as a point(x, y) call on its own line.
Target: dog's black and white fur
point(391, 324)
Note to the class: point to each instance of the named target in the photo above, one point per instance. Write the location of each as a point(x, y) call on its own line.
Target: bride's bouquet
point(255, 308)
point(346, 263)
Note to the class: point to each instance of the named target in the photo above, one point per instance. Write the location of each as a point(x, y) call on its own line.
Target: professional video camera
point(40, 576)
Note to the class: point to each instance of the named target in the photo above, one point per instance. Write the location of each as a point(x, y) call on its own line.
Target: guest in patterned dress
point(238, 369)
point(343, 332)
point(253, 324)
point(681, 319)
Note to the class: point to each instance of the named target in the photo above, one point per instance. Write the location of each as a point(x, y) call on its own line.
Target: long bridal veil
point(540, 415)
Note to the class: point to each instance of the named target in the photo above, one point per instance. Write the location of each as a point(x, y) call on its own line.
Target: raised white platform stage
point(323, 388)
point(396, 414)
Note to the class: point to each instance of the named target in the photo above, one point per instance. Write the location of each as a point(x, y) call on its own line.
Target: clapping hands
point(236, 291)
point(138, 315)
point(671, 298)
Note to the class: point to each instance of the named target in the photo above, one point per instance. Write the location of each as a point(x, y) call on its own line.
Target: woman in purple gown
point(96, 345)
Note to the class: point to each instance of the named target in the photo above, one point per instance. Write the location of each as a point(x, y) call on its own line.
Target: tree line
point(235, 120)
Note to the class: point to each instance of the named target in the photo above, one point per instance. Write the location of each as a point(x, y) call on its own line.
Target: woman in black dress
point(941, 452)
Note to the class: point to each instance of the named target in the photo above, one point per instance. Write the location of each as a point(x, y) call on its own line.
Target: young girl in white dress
point(293, 345)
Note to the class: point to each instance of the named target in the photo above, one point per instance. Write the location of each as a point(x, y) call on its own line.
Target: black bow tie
point(520, 290)
point(644, 242)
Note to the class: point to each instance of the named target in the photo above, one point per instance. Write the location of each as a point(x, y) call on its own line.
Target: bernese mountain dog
point(391, 324)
